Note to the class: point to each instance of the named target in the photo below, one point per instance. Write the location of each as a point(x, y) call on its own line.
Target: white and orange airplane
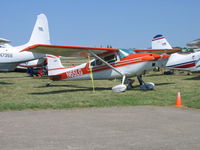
point(108, 63)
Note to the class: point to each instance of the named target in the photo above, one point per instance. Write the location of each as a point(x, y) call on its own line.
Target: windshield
point(125, 52)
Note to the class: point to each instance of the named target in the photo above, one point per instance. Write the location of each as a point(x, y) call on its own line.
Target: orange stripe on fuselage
point(131, 59)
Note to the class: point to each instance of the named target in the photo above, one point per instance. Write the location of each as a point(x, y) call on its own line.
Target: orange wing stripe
point(71, 47)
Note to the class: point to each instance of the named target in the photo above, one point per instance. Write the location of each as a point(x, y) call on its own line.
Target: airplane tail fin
point(40, 34)
point(54, 65)
point(160, 42)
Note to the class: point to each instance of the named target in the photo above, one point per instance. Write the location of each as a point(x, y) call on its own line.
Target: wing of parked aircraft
point(168, 51)
point(65, 50)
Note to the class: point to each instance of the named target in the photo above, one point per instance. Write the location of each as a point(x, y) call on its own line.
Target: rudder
point(160, 42)
point(40, 34)
point(54, 65)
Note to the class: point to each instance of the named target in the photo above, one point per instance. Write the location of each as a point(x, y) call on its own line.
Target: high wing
point(67, 51)
point(168, 51)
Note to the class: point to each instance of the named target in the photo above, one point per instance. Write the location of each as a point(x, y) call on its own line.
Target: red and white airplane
point(11, 57)
point(108, 63)
point(178, 61)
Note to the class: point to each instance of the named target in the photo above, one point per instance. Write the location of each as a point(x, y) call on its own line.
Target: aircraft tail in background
point(40, 34)
point(160, 42)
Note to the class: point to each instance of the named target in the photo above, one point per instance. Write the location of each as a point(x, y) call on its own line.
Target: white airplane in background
point(178, 61)
point(11, 57)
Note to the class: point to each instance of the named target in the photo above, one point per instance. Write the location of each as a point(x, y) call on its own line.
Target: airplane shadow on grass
point(5, 83)
point(82, 88)
point(157, 84)
point(137, 87)
point(160, 84)
point(193, 78)
point(70, 90)
point(64, 85)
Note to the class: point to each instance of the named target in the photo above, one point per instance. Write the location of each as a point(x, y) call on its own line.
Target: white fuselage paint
point(10, 57)
point(128, 70)
point(189, 62)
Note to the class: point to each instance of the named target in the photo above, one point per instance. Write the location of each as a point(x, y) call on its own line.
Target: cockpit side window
point(110, 59)
point(96, 62)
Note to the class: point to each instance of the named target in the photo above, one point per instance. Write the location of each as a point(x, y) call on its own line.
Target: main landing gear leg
point(129, 83)
point(145, 86)
point(139, 77)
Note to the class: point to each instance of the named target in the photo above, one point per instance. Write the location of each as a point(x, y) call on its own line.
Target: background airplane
point(11, 57)
point(178, 61)
point(195, 43)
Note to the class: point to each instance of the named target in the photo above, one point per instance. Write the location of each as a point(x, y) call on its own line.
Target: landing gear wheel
point(145, 86)
point(119, 88)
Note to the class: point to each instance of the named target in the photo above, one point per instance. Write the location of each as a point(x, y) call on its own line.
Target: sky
point(120, 23)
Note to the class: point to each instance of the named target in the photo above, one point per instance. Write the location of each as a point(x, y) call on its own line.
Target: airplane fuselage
point(131, 66)
point(10, 57)
point(189, 62)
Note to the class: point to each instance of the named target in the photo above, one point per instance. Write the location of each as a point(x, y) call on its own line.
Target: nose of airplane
point(153, 57)
point(156, 56)
point(148, 58)
point(162, 56)
point(165, 56)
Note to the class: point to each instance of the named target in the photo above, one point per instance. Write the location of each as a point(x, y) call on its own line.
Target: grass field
point(19, 91)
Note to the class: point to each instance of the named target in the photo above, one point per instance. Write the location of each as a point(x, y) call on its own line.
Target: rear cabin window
point(109, 59)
